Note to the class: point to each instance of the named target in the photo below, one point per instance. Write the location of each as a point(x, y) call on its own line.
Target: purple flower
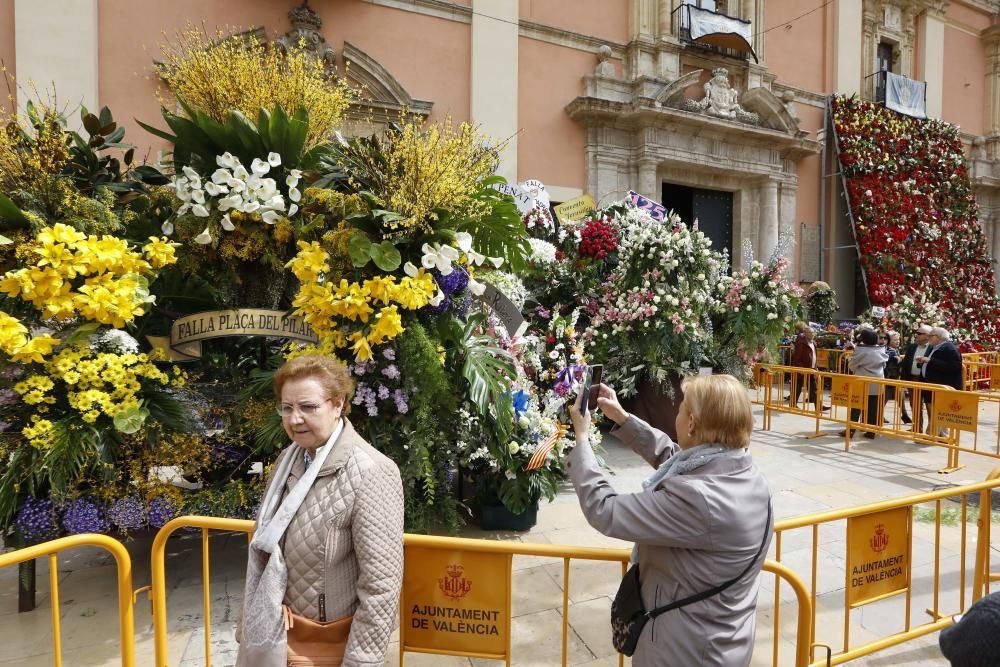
point(441, 308)
point(127, 513)
point(391, 372)
point(161, 510)
point(383, 392)
point(83, 516)
point(37, 521)
point(372, 410)
point(454, 282)
point(400, 399)
point(389, 353)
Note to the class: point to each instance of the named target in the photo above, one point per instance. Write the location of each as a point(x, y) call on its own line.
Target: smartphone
point(594, 376)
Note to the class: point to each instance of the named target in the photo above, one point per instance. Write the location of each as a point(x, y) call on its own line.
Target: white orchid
point(227, 224)
point(259, 167)
point(204, 238)
point(274, 159)
point(270, 217)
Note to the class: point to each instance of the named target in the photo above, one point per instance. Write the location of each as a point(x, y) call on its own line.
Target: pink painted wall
point(550, 146)
point(599, 18)
point(797, 53)
point(964, 94)
point(808, 170)
point(7, 51)
point(130, 35)
point(969, 17)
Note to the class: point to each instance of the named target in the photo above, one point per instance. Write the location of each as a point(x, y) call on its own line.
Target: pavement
point(805, 474)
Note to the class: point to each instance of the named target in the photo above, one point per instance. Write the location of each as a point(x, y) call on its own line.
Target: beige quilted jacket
point(346, 544)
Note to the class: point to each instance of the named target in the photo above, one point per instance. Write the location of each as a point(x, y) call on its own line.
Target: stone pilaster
point(494, 75)
point(930, 63)
point(847, 24)
point(768, 225)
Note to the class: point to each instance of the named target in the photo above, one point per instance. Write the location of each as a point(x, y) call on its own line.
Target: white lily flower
point(251, 206)
point(195, 183)
point(204, 238)
point(291, 181)
point(448, 253)
point(184, 209)
point(190, 173)
point(497, 262)
point(232, 201)
point(293, 209)
point(253, 183)
point(227, 224)
point(274, 159)
point(199, 196)
point(294, 194)
point(276, 203)
point(410, 270)
point(167, 228)
point(271, 217)
point(212, 189)
point(241, 172)
point(476, 287)
point(200, 211)
point(184, 195)
point(438, 298)
point(464, 240)
point(259, 167)
point(220, 176)
point(476, 258)
point(236, 185)
point(227, 160)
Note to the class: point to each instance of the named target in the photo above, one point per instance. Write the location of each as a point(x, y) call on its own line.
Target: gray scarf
point(264, 641)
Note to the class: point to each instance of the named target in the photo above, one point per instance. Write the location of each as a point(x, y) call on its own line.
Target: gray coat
point(869, 361)
point(693, 531)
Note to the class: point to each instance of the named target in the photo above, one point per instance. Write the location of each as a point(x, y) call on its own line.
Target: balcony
point(714, 32)
point(896, 92)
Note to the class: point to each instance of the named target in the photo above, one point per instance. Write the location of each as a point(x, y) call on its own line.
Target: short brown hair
point(332, 375)
point(721, 410)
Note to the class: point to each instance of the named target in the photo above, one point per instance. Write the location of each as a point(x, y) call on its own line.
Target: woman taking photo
point(702, 521)
point(326, 562)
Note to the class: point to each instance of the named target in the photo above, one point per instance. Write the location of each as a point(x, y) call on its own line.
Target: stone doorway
point(713, 209)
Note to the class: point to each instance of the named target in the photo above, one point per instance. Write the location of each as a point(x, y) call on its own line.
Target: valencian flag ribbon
point(542, 452)
point(655, 210)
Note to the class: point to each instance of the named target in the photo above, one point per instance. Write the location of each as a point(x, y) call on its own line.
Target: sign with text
point(655, 210)
point(508, 312)
point(953, 409)
point(822, 358)
point(575, 209)
point(525, 202)
point(186, 333)
point(456, 601)
point(878, 555)
point(843, 389)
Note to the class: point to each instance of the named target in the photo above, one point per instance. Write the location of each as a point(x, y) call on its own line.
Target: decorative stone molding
point(894, 22)
point(385, 98)
point(305, 33)
point(721, 100)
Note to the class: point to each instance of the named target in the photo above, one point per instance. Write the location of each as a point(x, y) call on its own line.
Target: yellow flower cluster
point(439, 167)
point(31, 156)
point(15, 344)
point(327, 306)
point(99, 278)
point(219, 73)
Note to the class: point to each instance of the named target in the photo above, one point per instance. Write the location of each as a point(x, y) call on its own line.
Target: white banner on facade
point(905, 95)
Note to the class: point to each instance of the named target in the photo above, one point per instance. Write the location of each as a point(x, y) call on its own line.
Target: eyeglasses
point(305, 409)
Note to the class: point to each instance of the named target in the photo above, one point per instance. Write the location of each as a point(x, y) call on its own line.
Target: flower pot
point(655, 406)
point(498, 517)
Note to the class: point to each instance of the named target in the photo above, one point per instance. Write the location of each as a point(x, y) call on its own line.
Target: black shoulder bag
point(629, 616)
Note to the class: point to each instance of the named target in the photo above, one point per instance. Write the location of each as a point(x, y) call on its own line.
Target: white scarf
point(264, 641)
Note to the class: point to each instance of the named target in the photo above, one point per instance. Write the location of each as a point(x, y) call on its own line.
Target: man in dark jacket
point(910, 370)
point(804, 356)
point(941, 365)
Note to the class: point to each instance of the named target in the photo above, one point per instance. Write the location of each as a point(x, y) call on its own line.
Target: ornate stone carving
point(305, 33)
point(605, 67)
point(721, 100)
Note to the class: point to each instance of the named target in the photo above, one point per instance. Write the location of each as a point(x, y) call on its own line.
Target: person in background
point(910, 370)
point(974, 639)
point(868, 360)
point(890, 340)
point(804, 356)
point(701, 519)
point(942, 364)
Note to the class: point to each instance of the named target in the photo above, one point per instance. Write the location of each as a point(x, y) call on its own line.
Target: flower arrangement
point(821, 303)
point(915, 214)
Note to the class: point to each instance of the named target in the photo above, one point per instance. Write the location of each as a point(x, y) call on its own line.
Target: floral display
point(821, 303)
point(915, 215)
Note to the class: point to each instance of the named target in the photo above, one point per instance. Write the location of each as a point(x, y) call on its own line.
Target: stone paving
point(805, 475)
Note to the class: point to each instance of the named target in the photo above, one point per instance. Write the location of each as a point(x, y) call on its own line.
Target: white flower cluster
point(233, 188)
point(543, 253)
point(114, 340)
point(509, 285)
point(442, 258)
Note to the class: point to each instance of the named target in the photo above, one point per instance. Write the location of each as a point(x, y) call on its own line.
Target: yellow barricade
point(52, 549)
point(977, 370)
point(953, 415)
point(877, 558)
point(458, 562)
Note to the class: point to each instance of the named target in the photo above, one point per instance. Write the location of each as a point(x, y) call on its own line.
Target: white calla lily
point(241, 173)
point(295, 173)
point(271, 217)
point(195, 183)
point(274, 159)
point(167, 228)
point(438, 298)
point(476, 287)
point(220, 176)
point(251, 206)
point(259, 167)
point(476, 258)
point(183, 209)
point(464, 241)
point(276, 203)
point(198, 196)
point(254, 183)
point(212, 189)
point(293, 209)
point(294, 194)
point(232, 201)
point(291, 181)
point(226, 160)
point(227, 224)
point(497, 262)
point(190, 173)
point(200, 211)
point(410, 270)
point(184, 195)
point(448, 252)
point(236, 185)
point(204, 238)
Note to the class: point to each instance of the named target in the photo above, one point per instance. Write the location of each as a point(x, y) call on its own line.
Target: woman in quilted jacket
point(325, 565)
point(702, 521)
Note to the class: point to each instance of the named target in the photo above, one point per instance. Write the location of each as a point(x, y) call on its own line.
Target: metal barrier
point(124, 563)
point(951, 413)
point(508, 549)
point(978, 371)
point(882, 514)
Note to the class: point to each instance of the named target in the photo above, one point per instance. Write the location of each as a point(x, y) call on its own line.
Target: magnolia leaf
point(360, 249)
point(131, 420)
point(10, 213)
point(4, 240)
point(385, 256)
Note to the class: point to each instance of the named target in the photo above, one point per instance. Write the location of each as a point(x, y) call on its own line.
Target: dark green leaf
point(91, 124)
point(385, 256)
point(360, 249)
point(11, 216)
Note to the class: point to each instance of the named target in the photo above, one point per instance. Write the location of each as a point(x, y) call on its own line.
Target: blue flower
point(520, 399)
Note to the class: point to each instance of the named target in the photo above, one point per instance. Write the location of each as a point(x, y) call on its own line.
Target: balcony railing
point(897, 92)
point(715, 32)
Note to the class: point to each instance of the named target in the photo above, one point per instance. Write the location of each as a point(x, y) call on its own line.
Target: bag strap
point(698, 597)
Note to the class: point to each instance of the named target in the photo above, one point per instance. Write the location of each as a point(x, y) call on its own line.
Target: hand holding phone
point(592, 387)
